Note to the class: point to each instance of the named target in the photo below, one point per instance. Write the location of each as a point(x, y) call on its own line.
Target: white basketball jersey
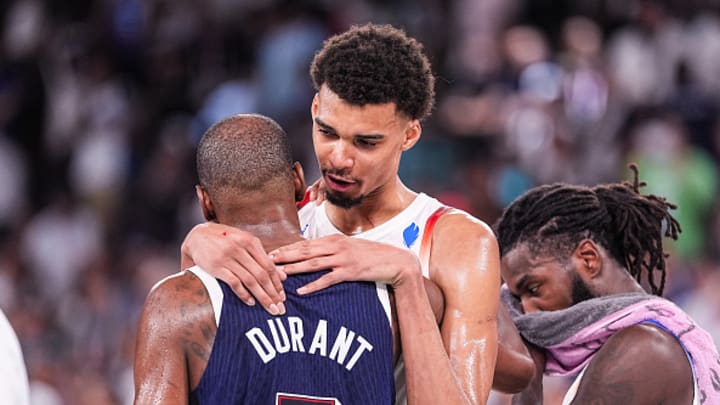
point(405, 229)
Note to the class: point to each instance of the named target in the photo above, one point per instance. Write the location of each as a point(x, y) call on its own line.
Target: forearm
point(514, 368)
point(533, 393)
point(429, 374)
point(165, 394)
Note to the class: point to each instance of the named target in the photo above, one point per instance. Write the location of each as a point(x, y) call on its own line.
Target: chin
point(343, 201)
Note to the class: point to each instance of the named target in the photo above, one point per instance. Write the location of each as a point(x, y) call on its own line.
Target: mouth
point(338, 184)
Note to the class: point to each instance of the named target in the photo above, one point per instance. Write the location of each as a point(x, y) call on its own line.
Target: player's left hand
point(350, 259)
point(316, 192)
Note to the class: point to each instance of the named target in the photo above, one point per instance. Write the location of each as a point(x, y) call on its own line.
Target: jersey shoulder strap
point(304, 201)
point(427, 236)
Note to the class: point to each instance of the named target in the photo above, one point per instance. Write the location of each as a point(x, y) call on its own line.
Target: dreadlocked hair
point(617, 216)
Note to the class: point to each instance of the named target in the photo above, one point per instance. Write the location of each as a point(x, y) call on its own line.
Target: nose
point(528, 305)
point(341, 155)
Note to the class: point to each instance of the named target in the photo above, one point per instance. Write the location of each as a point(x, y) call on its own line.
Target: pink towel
point(592, 322)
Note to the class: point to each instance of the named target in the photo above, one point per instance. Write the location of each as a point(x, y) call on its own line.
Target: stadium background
point(102, 102)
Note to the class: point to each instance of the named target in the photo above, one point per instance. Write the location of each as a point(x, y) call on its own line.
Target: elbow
point(513, 372)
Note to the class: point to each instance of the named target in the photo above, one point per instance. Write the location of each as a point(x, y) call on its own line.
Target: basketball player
point(13, 375)
point(199, 343)
point(572, 258)
point(374, 86)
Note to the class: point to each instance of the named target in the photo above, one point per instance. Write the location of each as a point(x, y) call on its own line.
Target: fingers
point(257, 252)
point(310, 265)
point(257, 281)
point(305, 250)
point(228, 276)
point(316, 192)
point(320, 191)
point(313, 190)
point(323, 282)
point(239, 259)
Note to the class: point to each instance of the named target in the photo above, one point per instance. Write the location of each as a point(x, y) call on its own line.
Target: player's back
point(331, 347)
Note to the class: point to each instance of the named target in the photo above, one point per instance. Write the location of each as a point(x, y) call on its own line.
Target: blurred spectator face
point(582, 37)
point(658, 140)
point(23, 29)
point(478, 56)
point(524, 45)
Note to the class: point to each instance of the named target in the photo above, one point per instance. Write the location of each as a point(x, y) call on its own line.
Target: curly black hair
point(376, 64)
point(628, 224)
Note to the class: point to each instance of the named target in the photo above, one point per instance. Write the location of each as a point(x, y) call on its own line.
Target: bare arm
point(429, 372)
point(465, 264)
point(514, 368)
point(174, 340)
point(533, 393)
point(237, 258)
point(638, 365)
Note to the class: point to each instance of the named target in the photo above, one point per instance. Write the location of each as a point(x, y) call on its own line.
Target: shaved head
point(243, 154)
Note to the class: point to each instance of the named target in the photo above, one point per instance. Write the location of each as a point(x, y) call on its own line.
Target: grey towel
point(549, 328)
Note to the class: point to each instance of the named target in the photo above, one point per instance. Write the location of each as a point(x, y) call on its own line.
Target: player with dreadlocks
point(572, 258)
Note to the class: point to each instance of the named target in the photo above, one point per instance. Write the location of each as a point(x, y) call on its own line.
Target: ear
point(412, 134)
point(590, 261)
point(314, 106)
point(206, 204)
point(299, 181)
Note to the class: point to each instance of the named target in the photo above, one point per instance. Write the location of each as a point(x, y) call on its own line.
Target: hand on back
point(350, 259)
point(237, 258)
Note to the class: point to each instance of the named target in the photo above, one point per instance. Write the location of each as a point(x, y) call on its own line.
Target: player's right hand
point(239, 259)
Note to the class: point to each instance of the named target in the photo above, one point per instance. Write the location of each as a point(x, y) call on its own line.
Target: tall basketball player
point(199, 343)
point(374, 87)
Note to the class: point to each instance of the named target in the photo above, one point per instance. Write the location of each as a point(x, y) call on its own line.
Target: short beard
point(343, 202)
point(579, 290)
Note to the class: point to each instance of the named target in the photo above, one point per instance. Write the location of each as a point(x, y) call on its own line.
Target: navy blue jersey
point(331, 347)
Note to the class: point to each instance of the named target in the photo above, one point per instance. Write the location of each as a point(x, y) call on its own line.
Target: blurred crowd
point(103, 101)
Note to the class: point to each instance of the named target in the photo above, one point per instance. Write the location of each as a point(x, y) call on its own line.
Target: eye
point(533, 289)
point(326, 132)
point(365, 143)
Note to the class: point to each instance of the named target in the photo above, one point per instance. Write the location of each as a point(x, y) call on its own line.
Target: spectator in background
point(13, 375)
point(679, 170)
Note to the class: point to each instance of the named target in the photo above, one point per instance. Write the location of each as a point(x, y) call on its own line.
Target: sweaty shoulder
point(178, 311)
point(458, 223)
point(459, 237)
point(179, 298)
point(464, 258)
point(638, 365)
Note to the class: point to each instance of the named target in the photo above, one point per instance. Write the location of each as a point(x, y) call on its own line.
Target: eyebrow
point(320, 122)
point(327, 127)
point(520, 285)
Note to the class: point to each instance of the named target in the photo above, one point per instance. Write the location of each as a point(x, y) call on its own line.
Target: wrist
point(186, 247)
point(409, 274)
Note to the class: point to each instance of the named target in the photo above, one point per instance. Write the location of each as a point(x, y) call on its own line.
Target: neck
point(623, 283)
point(376, 208)
point(274, 224)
